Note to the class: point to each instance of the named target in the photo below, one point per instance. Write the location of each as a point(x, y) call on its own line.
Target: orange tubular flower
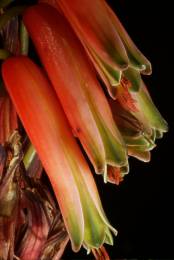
point(107, 43)
point(100, 39)
point(76, 85)
point(139, 122)
point(48, 129)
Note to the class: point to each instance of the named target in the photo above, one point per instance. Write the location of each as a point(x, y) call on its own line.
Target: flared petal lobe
point(136, 59)
point(93, 23)
point(76, 85)
point(140, 124)
point(49, 131)
point(94, 28)
point(107, 43)
point(148, 109)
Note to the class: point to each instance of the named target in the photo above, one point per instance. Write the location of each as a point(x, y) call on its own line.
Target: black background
point(141, 208)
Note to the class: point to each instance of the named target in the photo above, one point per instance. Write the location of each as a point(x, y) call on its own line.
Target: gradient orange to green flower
point(86, 100)
point(71, 179)
point(76, 85)
point(107, 43)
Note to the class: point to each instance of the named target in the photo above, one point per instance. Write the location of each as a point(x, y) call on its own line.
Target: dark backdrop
point(141, 208)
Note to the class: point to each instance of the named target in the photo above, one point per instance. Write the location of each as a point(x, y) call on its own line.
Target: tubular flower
point(148, 112)
point(140, 123)
point(76, 85)
point(71, 179)
point(107, 43)
point(64, 112)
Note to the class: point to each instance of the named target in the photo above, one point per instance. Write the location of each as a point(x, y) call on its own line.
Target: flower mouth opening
point(72, 104)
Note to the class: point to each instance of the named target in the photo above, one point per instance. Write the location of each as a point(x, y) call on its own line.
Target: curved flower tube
point(44, 120)
point(140, 123)
point(106, 41)
point(136, 59)
point(76, 85)
point(148, 110)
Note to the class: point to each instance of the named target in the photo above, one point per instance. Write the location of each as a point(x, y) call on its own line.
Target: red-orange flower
point(49, 131)
point(76, 85)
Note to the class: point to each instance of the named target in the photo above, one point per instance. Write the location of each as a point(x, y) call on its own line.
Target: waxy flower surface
point(67, 170)
point(72, 103)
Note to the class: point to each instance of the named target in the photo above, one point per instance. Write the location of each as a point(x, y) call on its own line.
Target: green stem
point(10, 13)
point(24, 39)
point(4, 3)
point(4, 54)
point(29, 156)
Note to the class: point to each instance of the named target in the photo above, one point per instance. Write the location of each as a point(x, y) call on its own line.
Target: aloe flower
point(76, 85)
point(62, 159)
point(56, 116)
point(147, 109)
point(107, 43)
point(140, 123)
